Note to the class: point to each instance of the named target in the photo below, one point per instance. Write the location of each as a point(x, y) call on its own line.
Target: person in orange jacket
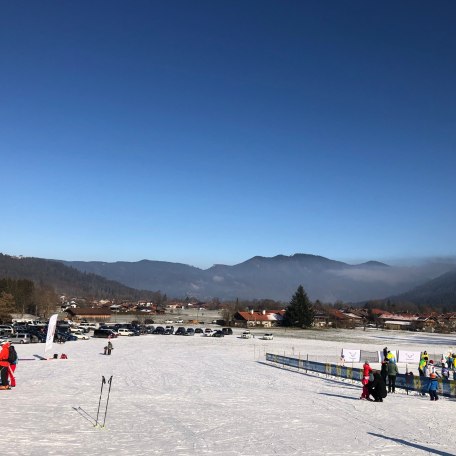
point(4, 366)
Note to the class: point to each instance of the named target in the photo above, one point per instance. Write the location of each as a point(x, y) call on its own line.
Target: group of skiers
point(427, 367)
point(8, 363)
point(375, 382)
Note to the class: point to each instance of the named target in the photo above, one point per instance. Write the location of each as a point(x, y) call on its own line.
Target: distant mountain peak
point(375, 264)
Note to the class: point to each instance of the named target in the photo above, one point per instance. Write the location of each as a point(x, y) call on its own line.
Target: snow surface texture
point(176, 395)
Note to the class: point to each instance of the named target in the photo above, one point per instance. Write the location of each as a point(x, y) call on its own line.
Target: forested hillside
point(67, 280)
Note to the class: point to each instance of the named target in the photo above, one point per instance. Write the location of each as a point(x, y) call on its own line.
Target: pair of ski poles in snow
point(103, 382)
point(90, 418)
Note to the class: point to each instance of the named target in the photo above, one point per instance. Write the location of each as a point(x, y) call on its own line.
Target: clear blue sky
point(208, 132)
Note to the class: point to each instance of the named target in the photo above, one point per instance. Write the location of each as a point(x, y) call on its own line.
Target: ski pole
point(103, 381)
point(107, 401)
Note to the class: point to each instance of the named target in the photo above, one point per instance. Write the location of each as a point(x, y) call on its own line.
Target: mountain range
point(433, 283)
point(271, 277)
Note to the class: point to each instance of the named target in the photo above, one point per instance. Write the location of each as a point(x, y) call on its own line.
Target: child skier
point(365, 380)
point(433, 387)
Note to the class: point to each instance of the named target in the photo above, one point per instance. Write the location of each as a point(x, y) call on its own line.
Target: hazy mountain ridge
point(440, 291)
point(274, 278)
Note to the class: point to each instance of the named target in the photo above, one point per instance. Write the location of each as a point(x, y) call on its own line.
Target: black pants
point(434, 396)
point(391, 383)
point(4, 375)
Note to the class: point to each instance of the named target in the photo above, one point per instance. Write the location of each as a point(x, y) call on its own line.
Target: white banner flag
point(50, 333)
point(351, 356)
point(408, 357)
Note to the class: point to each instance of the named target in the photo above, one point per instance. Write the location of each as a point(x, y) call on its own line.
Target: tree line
point(22, 296)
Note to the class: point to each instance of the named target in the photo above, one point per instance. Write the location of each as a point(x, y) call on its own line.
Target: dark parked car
point(159, 330)
point(227, 331)
point(180, 331)
point(104, 333)
point(199, 331)
point(190, 332)
point(41, 337)
point(218, 333)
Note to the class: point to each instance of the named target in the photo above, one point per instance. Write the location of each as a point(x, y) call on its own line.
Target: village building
point(89, 313)
point(264, 319)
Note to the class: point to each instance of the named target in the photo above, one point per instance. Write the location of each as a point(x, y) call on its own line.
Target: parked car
point(6, 329)
point(208, 332)
point(80, 335)
point(83, 329)
point(268, 336)
point(38, 335)
point(159, 330)
point(104, 333)
point(246, 335)
point(190, 332)
point(227, 331)
point(125, 332)
point(218, 333)
point(180, 331)
point(65, 336)
point(169, 322)
point(179, 321)
point(20, 338)
point(199, 331)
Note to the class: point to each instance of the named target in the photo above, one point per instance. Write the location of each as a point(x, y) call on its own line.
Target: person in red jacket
point(4, 366)
point(365, 380)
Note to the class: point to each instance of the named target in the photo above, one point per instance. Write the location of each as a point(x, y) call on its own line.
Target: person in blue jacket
point(433, 387)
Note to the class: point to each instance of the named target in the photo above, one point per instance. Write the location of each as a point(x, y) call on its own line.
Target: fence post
point(406, 378)
point(307, 361)
point(299, 361)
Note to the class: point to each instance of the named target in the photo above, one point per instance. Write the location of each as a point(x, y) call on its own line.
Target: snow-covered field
point(175, 395)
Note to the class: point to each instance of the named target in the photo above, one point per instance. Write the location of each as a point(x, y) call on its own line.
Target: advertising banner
point(351, 356)
point(50, 333)
point(409, 357)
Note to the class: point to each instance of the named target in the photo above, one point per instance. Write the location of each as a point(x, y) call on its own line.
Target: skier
point(392, 373)
point(365, 380)
point(109, 347)
point(378, 388)
point(433, 387)
point(384, 370)
point(4, 366)
point(445, 372)
point(421, 367)
point(13, 360)
point(431, 368)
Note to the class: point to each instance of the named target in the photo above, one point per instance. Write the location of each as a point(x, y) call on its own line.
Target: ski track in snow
point(174, 395)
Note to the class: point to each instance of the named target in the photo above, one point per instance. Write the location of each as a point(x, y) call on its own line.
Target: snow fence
point(408, 382)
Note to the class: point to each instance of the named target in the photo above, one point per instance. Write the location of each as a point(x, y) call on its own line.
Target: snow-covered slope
point(176, 395)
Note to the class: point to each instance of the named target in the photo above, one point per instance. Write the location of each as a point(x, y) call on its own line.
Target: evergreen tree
point(300, 311)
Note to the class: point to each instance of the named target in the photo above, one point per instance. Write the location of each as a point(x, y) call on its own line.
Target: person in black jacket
point(377, 387)
point(384, 370)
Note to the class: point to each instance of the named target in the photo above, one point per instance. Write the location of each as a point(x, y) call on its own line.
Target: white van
point(20, 338)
